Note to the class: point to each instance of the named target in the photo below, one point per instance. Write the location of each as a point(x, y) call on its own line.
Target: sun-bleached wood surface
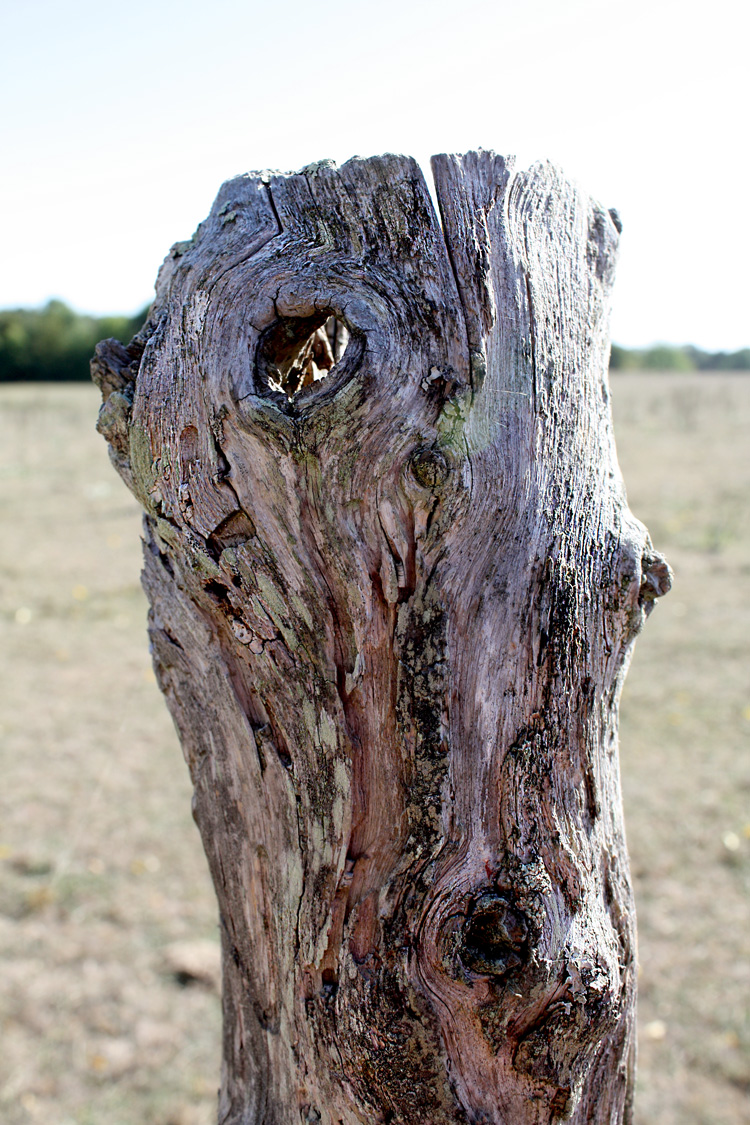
point(394, 587)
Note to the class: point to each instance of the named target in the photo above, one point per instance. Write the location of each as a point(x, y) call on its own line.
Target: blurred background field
point(109, 1001)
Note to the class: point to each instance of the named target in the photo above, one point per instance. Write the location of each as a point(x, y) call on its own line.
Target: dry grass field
point(101, 870)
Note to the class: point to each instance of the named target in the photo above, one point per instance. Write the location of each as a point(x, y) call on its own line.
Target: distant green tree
point(622, 359)
point(721, 361)
point(54, 343)
point(666, 357)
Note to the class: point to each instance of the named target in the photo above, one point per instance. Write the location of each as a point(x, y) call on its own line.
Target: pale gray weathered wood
point(391, 615)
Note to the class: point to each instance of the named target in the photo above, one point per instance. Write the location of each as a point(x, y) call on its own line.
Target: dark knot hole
point(494, 938)
point(298, 351)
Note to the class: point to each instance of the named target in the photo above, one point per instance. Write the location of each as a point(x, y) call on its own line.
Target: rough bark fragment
point(391, 614)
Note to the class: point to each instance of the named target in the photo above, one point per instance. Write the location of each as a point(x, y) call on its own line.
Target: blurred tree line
point(664, 357)
point(54, 343)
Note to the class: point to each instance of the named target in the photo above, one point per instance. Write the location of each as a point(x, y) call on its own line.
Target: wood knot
point(295, 352)
point(656, 579)
point(429, 468)
point(494, 938)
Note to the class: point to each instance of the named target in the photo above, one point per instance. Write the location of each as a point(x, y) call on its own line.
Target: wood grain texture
point(391, 616)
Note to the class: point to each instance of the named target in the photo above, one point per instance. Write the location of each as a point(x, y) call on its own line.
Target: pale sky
point(122, 120)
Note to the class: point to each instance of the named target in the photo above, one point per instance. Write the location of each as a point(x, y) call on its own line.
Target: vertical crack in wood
point(532, 344)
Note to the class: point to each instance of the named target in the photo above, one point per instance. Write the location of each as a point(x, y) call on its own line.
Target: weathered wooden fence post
point(394, 586)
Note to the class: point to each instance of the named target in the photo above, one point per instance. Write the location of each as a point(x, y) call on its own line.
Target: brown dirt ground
point(101, 870)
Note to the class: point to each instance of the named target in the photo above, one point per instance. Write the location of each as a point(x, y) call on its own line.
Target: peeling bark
point(394, 588)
